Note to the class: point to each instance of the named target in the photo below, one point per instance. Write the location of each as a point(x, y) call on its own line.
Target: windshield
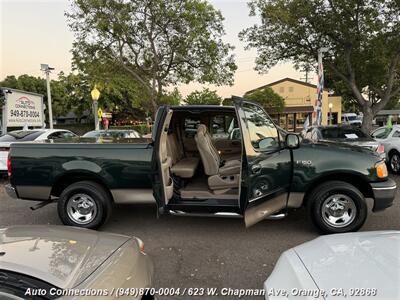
point(381, 133)
point(352, 118)
point(13, 286)
point(113, 134)
point(342, 133)
point(20, 136)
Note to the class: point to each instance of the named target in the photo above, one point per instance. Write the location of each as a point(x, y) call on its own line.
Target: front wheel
point(84, 204)
point(337, 207)
point(394, 162)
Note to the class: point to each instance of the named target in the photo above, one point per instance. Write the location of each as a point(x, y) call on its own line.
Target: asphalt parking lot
point(202, 252)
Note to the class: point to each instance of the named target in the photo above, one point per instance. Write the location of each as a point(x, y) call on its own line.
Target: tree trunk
point(368, 116)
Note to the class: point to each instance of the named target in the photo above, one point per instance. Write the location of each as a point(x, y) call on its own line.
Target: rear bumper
point(384, 194)
point(10, 190)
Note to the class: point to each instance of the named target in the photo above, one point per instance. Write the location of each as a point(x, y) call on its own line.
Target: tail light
point(9, 168)
point(380, 149)
point(141, 245)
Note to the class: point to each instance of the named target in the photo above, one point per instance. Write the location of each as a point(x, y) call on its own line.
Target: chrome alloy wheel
point(81, 209)
point(338, 210)
point(395, 163)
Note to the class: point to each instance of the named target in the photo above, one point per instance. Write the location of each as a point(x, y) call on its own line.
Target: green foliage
point(362, 37)
point(266, 97)
point(157, 43)
point(72, 93)
point(203, 97)
point(171, 98)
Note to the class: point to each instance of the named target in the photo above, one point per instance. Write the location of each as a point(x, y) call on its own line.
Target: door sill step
point(221, 215)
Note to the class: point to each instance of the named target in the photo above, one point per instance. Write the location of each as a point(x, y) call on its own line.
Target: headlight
point(381, 170)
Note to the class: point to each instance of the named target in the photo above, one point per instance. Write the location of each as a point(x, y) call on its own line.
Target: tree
point(159, 43)
point(203, 97)
point(266, 97)
point(363, 38)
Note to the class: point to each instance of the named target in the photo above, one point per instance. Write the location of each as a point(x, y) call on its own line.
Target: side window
point(55, 135)
point(224, 127)
point(190, 127)
point(263, 133)
point(396, 134)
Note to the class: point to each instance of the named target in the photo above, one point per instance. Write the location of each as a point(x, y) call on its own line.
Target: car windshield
point(352, 118)
point(381, 133)
point(113, 134)
point(13, 286)
point(20, 136)
point(342, 133)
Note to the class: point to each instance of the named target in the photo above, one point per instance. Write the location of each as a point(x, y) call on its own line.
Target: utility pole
point(46, 69)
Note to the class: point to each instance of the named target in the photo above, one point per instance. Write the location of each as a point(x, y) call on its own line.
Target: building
point(299, 103)
point(383, 116)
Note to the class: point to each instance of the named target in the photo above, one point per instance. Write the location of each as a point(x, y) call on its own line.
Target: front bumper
point(384, 194)
point(10, 190)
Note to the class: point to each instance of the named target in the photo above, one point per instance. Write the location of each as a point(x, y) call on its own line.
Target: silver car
point(71, 263)
point(364, 265)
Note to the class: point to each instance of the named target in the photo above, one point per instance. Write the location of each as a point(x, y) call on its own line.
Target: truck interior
point(200, 154)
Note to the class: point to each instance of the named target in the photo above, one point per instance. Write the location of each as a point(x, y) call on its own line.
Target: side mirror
point(292, 141)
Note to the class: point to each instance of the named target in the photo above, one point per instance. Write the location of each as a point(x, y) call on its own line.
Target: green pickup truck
point(205, 161)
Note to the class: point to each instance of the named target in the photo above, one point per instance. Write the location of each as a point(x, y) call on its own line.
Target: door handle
point(255, 169)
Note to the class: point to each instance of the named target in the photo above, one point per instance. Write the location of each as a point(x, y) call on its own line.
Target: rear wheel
point(84, 204)
point(394, 162)
point(337, 207)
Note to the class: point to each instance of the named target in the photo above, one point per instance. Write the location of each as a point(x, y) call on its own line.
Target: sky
point(35, 31)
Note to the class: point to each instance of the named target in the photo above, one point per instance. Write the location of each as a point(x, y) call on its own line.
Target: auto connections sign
point(24, 109)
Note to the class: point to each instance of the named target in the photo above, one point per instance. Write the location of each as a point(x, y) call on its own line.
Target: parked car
point(390, 138)
point(344, 134)
point(58, 259)
point(112, 133)
point(351, 119)
point(342, 266)
point(187, 174)
point(20, 136)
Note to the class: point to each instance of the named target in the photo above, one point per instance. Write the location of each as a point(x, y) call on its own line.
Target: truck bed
point(119, 165)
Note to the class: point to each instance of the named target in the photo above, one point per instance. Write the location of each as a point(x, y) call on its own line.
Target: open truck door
point(267, 164)
point(162, 182)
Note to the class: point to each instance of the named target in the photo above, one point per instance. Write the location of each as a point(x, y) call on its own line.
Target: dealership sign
point(24, 109)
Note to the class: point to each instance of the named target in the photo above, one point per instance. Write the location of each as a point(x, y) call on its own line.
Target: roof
point(202, 108)
point(299, 109)
point(389, 112)
point(20, 91)
point(283, 80)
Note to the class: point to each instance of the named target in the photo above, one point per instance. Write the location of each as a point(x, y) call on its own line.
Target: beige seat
point(223, 175)
point(184, 167)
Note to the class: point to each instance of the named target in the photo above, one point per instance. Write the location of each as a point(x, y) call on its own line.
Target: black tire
point(99, 199)
point(325, 194)
point(394, 162)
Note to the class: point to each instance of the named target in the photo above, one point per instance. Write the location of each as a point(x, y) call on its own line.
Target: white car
point(362, 265)
point(351, 119)
point(390, 138)
point(21, 136)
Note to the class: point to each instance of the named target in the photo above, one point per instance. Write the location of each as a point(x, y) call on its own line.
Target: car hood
point(62, 256)
point(355, 260)
point(362, 142)
point(344, 146)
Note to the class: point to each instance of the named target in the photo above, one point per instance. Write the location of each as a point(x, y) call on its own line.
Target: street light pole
point(95, 93)
point(47, 69)
point(330, 113)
